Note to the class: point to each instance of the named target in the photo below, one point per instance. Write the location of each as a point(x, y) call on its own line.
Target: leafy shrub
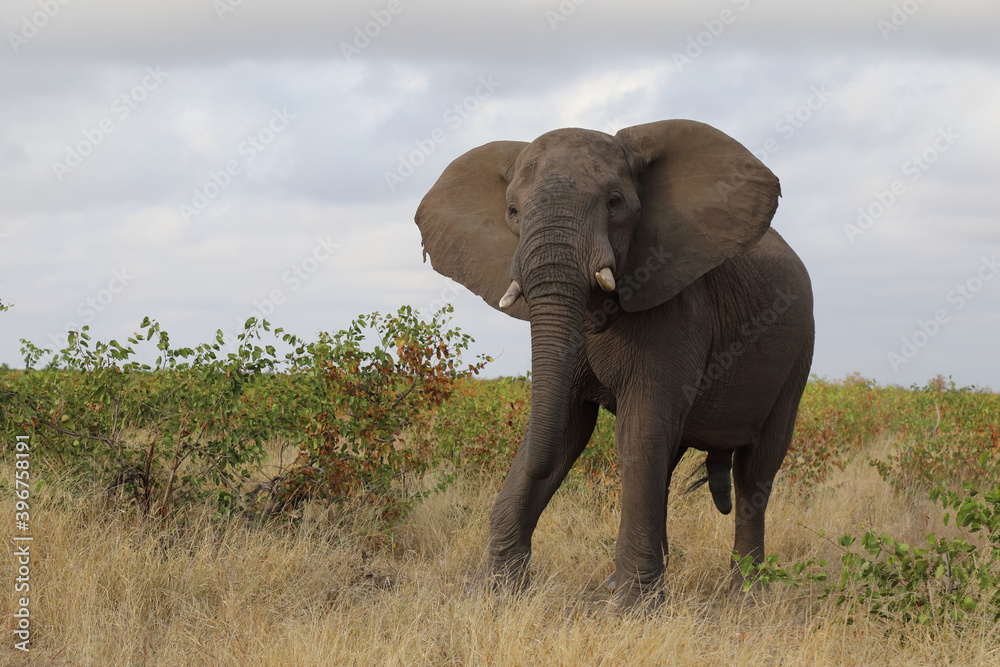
point(482, 425)
point(352, 408)
point(152, 435)
point(893, 581)
point(954, 439)
point(195, 424)
point(942, 431)
point(835, 421)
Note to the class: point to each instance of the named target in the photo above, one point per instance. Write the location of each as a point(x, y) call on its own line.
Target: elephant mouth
point(605, 280)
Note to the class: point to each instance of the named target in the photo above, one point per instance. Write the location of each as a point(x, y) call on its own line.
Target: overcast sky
point(200, 162)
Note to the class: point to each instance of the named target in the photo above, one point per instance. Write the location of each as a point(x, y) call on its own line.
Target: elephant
point(654, 288)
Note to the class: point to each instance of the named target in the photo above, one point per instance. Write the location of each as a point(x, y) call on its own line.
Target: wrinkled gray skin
point(705, 342)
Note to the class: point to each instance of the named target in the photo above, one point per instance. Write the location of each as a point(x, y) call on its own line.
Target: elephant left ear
point(704, 198)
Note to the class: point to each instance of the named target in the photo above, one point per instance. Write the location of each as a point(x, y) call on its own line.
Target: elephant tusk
point(512, 294)
point(606, 279)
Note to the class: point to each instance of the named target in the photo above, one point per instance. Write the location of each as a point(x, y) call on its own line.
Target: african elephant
point(654, 288)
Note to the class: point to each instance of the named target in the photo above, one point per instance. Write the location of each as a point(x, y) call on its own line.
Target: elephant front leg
point(645, 457)
point(609, 583)
point(522, 499)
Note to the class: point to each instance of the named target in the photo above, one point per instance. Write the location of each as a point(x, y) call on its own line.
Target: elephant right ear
point(462, 221)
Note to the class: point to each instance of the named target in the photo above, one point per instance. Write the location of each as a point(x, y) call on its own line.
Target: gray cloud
point(833, 107)
point(559, 31)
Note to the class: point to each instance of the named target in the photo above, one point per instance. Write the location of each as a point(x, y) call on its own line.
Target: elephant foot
point(629, 596)
point(509, 575)
point(747, 597)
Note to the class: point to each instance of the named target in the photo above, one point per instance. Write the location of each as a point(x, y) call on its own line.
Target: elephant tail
point(719, 483)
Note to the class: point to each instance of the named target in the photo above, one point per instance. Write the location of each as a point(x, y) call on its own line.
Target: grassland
point(333, 586)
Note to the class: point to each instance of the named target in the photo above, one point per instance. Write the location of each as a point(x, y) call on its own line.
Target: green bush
point(943, 582)
point(153, 435)
point(942, 431)
point(352, 409)
point(195, 425)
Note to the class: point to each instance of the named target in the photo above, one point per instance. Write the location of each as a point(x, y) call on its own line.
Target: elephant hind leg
point(754, 468)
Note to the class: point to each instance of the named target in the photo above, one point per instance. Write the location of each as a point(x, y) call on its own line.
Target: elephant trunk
point(557, 300)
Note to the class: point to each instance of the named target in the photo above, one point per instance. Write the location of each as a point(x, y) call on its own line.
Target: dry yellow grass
point(108, 589)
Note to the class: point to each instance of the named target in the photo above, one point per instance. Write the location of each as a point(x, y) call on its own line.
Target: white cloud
point(588, 101)
point(192, 30)
point(608, 65)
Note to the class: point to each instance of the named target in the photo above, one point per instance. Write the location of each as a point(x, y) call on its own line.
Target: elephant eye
point(511, 211)
point(614, 201)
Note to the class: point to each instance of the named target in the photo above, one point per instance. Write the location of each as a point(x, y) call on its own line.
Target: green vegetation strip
point(377, 414)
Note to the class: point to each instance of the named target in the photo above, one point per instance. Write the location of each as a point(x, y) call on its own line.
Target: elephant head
point(643, 213)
